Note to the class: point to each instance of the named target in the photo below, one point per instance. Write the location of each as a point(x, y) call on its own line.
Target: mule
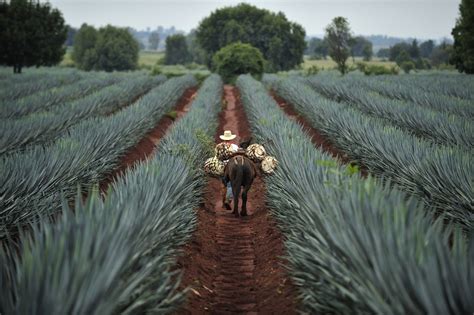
point(240, 171)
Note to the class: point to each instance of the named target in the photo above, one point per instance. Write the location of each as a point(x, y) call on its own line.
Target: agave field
point(396, 239)
point(360, 245)
point(113, 254)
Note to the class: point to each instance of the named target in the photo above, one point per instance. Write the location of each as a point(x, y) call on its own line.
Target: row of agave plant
point(34, 180)
point(420, 121)
point(46, 126)
point(117, 255)
point(356, 245)
point(17, 88)
point(444, 83)
point(45, 99)
point(432, 98)
point(441, 176)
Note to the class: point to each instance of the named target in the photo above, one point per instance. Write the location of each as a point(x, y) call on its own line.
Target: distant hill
point(384, 41)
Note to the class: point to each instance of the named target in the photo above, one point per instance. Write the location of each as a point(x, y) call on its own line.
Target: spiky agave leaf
point(33, 179)
point(355, 245)
point(441, 176)
point(148, 213)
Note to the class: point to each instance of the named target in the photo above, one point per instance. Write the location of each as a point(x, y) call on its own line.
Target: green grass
point(149, 58)
point(327, 64)
point(145, 58)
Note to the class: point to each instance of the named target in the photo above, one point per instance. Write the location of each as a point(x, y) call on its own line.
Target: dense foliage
point(32, 34)
point(281, 42)
point(108, 48)
point(176, 50)
point(355, 245)
point(411, 56)
point(235, 59)
point(317, 48)
point(463, 33)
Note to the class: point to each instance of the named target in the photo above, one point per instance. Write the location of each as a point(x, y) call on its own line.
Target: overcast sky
point(403, 18)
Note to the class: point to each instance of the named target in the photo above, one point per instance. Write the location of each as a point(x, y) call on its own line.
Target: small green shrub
point(235, 59)
point(376, 69)
point(156, 70)
point(172, 114)
point(200, 77)
point(313, 70)
point(407, 66)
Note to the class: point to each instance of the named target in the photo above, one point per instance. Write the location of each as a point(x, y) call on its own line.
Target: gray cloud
point(418, 18)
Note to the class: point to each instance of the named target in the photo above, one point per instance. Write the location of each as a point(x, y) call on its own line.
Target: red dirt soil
point(319, 140)
point(146, 146)
point(234, 265)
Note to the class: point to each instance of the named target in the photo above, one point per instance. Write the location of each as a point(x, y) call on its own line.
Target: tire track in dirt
point(317, 138)
point(233, 265)
point(147, 145)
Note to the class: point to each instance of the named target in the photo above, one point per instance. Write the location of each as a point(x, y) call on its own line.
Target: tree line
point(34, 34)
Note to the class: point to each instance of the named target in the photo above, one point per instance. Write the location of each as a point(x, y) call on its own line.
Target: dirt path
point(233, 264)
point(145, 148)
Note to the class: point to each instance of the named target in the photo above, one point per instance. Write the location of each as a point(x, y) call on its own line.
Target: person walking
point(225, 150)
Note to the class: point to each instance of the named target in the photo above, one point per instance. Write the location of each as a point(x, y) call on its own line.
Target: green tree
point(32, 34)
point(441, 54)
point(71, 33)
point(463, 33)
point(358, 45)
point(281, 42)
point(116, 49)
point(84, 46)
point(338, 36)
point(426, 48)
point(414, 50)
point(317, 48)
point(407, 66)
point(402, 57)
point(196, 53)
point(235, 59)
point(396, 49)
point(176, 50)
point(383, 53)
point(110, 48)
point(367, 52)
point(154, 40)
point(322, 49)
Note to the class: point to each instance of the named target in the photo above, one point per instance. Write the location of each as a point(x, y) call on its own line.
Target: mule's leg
point(224, 198)
point(244, 199)
point(236, 192)
point(248, 184)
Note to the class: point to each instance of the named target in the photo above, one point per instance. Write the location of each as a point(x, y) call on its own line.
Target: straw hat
point(227, 135)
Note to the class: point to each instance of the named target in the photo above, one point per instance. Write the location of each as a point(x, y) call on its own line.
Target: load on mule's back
point(236, 167)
